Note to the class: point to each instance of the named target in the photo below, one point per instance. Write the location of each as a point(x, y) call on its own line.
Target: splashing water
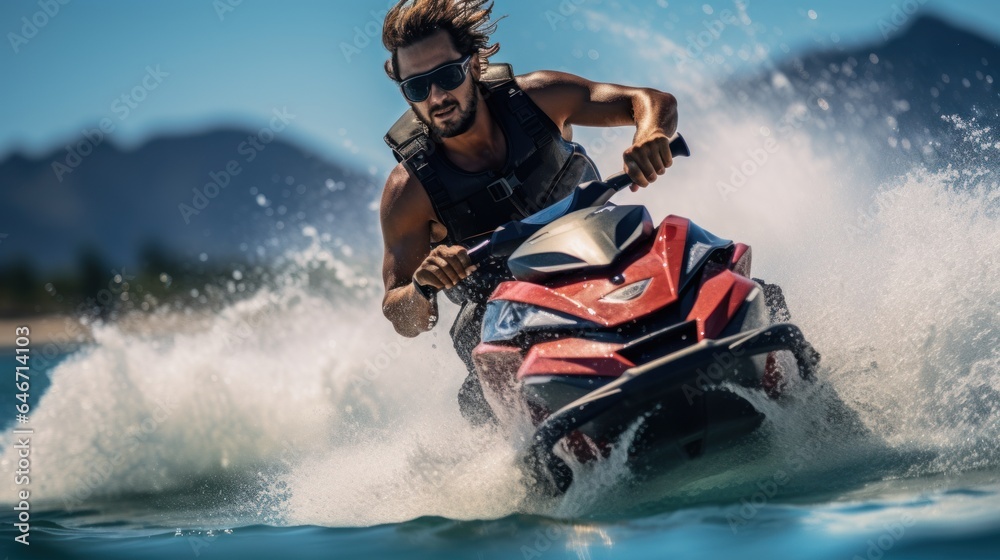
point(305, 409)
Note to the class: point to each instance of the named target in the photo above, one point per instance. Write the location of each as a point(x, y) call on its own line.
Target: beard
point(461, 125)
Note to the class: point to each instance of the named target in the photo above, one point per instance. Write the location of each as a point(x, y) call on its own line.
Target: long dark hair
point(466, 21)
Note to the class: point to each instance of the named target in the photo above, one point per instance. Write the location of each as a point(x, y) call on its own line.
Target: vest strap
point(528, 117)
point(420, 163)
point(509, 185)
point(503, 188)
point(411, 145)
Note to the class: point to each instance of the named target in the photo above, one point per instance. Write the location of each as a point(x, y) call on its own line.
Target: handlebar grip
point(480, 252)
point(427, 291)
point(678, 148)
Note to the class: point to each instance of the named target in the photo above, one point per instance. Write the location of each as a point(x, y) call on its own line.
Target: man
point(479, 148)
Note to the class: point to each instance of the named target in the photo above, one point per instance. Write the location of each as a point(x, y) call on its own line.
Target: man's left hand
point(648, 158)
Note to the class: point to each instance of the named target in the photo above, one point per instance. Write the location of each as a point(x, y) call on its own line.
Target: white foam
point(333, 419)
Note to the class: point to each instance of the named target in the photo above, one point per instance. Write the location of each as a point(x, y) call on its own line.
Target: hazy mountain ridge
point(896, 91)
point(116, 201)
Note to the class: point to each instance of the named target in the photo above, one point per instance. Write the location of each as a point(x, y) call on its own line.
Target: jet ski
point(614, 323)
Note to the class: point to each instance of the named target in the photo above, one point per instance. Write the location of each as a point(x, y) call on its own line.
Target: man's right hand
point(444, 267)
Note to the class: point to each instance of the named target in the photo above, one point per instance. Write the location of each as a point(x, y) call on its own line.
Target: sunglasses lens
point(450, 77)
point(416, 90)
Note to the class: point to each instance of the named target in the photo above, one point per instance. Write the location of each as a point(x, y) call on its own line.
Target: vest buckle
point(502, 189)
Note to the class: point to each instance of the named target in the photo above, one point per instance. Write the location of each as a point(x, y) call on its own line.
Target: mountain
point(226, 193)
point(175, 196)
point(895, 91)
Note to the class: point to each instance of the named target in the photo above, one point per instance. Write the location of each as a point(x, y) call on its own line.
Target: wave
point(310, 410)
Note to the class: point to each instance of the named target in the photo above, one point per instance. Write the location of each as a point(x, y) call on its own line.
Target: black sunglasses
point(447, 76)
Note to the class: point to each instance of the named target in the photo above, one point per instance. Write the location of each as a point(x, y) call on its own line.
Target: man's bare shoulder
point(540, 81)
point(403, 198)
point(398, 185)
point(551, 90)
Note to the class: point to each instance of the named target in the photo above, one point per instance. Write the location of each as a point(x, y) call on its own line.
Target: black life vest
point(542, 167)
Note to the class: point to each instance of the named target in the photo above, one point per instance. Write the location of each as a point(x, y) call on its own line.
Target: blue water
point(294, 422)
point(960, 522)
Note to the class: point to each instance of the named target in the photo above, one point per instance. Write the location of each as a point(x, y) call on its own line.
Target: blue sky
point(234, 65)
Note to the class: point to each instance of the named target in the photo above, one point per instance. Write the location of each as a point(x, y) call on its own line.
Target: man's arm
point(406, 215)
point(407, 237)
point(569, 99)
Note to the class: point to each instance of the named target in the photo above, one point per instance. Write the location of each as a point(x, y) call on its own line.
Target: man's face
point(446, 113)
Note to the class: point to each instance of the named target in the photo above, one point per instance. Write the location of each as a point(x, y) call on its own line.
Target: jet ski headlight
point(504, 320)
point(627, 293)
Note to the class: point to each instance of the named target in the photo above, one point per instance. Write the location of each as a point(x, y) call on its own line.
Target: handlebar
point(678, 148)
point(597, 196)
